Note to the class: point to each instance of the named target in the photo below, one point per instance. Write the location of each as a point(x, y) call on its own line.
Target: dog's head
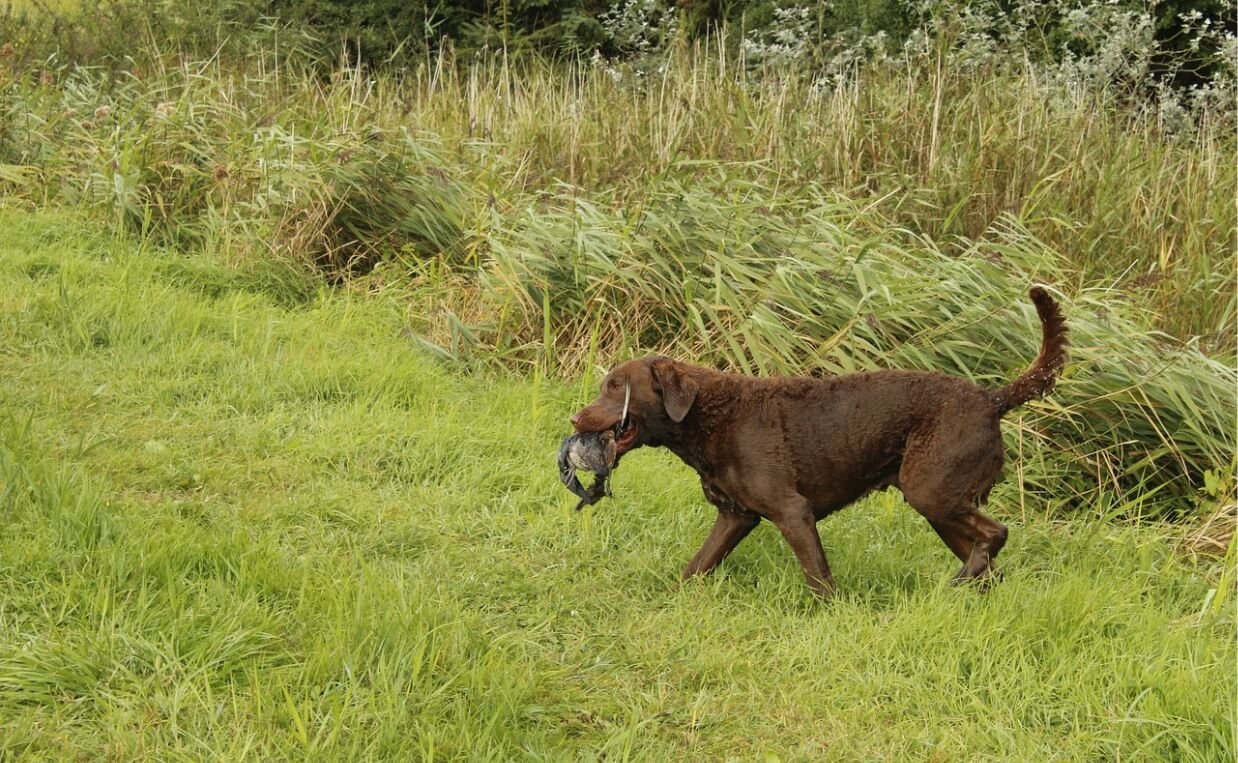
point(642, 400)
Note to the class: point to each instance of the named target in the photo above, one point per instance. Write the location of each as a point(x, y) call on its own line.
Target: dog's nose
point(575, 419)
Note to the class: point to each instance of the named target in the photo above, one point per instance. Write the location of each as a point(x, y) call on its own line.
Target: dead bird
point(591, 452)
point(596, 452)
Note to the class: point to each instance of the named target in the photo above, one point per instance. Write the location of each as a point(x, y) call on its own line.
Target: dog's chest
point(718, 496)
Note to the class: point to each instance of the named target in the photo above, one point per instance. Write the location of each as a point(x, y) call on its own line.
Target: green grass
point(245, 519)
point(39, 5)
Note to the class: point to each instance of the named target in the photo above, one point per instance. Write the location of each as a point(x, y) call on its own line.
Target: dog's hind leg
point(945, 479)
point(975, 539)
point(957, 542)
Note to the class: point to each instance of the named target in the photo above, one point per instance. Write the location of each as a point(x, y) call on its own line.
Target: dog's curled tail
point(1038, 380)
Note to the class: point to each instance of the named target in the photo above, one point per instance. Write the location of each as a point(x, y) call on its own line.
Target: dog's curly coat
point(793, 450)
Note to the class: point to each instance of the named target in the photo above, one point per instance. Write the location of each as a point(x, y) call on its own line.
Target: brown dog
point(792, 450)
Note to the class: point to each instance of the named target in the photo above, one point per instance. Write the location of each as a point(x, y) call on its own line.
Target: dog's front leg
point(729, 529)
point(799, 527)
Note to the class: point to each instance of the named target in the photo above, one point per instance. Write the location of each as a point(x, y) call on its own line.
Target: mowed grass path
point(239, 525)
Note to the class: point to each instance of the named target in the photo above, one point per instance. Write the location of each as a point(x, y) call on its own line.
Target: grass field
point(247, 519)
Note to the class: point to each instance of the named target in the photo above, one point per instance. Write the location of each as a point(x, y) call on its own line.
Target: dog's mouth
point(625, 435)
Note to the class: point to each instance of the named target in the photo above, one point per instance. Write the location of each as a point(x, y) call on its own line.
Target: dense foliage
point(1180, 43)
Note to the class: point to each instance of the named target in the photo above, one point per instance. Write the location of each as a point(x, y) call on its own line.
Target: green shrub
point(351, 204)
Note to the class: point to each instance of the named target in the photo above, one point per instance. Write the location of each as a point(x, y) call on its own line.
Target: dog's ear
point(678, 391)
